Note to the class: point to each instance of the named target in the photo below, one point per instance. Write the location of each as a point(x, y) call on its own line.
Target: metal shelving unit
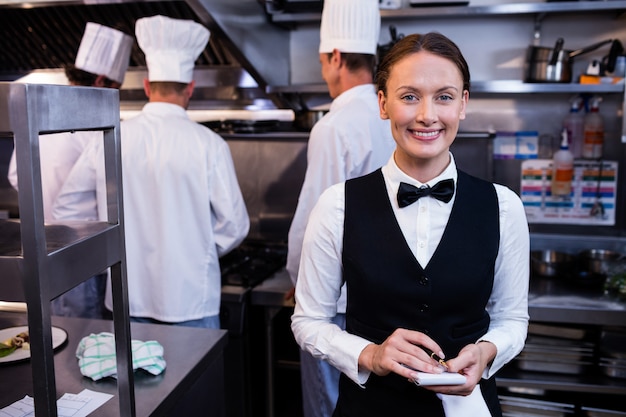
point(42, 261)
point(487, 87)
point(538, 9)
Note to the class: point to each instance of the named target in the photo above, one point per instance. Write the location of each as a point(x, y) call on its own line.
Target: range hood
point(245, 53)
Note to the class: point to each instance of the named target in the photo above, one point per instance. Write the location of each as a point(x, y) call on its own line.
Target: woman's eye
point(409, 97)
point(446, 97)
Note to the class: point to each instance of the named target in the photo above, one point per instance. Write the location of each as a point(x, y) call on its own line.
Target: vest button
point(423, 280)
point(423, 308)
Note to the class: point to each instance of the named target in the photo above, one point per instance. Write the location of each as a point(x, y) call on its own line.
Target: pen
point(435, 357)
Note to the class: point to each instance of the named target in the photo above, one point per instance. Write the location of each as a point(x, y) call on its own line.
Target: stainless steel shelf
point(474, 11)
point(486, 87)
point(511, 377)
point(40, 261)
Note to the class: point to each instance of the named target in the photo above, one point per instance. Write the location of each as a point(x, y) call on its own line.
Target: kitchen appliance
point(252, 262)
point(544, 64)
point(243, 268)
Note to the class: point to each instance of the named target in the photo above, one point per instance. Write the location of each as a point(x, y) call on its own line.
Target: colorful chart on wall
point(591, 202)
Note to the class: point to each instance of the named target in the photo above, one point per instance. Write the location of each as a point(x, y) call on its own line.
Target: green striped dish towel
point(96, 356)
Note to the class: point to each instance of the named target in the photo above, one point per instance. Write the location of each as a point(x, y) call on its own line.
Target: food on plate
point(10, 345)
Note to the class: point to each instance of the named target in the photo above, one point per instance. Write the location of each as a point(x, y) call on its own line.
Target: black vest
point(387, 288)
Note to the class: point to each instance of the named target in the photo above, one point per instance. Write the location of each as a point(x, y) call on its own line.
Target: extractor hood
point(245, 52)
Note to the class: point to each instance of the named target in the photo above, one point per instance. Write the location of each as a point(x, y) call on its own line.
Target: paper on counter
point(69, 405)
point(446, 378)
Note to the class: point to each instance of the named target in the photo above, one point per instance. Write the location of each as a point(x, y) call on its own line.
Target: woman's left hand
point(472, 361)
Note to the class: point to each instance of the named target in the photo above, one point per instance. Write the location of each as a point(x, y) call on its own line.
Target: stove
point(243, 268)
point(252, 262)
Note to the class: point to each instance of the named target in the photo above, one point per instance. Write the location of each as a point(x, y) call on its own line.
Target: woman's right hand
point(402, 353)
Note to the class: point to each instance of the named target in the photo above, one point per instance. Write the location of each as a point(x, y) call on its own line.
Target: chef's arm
point(229, 215)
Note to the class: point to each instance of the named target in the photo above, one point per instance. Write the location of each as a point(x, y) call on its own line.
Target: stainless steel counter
point(270, 295)
point(557, 300)
point(550, 300)
point(272, 291)
point(191, 384)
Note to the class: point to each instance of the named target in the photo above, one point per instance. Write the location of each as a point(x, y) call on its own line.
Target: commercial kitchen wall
point(495, 47)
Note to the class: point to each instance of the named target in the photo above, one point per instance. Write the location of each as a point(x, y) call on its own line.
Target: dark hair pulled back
point(432, 42)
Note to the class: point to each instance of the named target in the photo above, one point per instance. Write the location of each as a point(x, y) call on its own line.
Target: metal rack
point(538, 9)
point(42, 261)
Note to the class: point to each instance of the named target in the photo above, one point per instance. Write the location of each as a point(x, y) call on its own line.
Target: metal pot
point(553, 65)
point(597, 261)
point(550, 263)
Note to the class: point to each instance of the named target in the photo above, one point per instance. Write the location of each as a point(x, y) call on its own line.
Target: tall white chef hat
point(350, 26)
point(171, 46)
point(104, 51)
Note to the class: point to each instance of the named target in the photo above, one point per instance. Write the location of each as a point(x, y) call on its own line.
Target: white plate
point(59, 336)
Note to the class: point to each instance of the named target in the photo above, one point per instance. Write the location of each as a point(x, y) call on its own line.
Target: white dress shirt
point(351, 140)
point(183, 209)
point(423, 224)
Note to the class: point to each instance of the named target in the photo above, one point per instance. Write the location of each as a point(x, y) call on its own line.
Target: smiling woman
point(452, 275)
point(426, 97)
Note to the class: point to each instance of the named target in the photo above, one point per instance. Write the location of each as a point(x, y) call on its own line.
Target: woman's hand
point(401, 353)
point(472, 361)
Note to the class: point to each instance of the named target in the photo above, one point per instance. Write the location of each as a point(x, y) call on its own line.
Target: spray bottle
point(574, 123)
point(593, 131)
point(562, 169)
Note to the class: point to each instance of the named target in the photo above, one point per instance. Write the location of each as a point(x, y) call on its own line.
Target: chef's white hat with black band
point(171, 47)
point(350, 26)
point(104, 51)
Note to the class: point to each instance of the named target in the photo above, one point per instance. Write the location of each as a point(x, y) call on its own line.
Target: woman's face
point(425, 102)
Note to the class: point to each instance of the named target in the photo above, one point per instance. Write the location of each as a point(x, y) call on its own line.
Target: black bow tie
point(409, 194)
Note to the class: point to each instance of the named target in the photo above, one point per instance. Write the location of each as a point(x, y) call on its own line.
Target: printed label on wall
point(591, 202)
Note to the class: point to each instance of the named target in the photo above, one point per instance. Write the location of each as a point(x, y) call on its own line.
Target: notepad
point(446, 378)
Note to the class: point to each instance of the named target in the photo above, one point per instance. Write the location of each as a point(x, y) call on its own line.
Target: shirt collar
point(165, 109)
point(394, 176)
point(346, 96)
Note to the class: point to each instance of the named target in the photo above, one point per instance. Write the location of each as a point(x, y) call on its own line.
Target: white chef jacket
point(58, 153)
point(183, 209)
point(351, 140)
point(422, 224)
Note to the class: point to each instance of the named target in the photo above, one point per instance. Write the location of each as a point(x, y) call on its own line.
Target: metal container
point(544, 64)
point(550, 263)
point(597, 261)
point(615, 368)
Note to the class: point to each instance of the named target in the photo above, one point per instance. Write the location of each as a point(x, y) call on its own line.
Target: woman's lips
point(423, 135)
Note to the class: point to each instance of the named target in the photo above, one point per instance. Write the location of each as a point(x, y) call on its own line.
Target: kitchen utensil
point(550, 263)
point(597, 261)
point(382, 50)
point(545, 64)
point(597, 210)
point(609, 62)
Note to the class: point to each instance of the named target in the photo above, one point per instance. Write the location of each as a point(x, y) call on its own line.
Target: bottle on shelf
point(562, 169)
point(593, 131)
point(574, 123)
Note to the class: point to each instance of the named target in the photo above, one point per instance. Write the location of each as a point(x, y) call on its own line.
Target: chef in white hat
point(102, 57)
point(101, 61)
point(349, 141)
point(183, 207)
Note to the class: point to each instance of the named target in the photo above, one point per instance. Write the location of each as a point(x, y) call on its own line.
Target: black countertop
point(192, 354)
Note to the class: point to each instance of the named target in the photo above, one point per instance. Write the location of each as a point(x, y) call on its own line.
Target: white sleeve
point(508, 304)
point(318, 288)
point(228, 209)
